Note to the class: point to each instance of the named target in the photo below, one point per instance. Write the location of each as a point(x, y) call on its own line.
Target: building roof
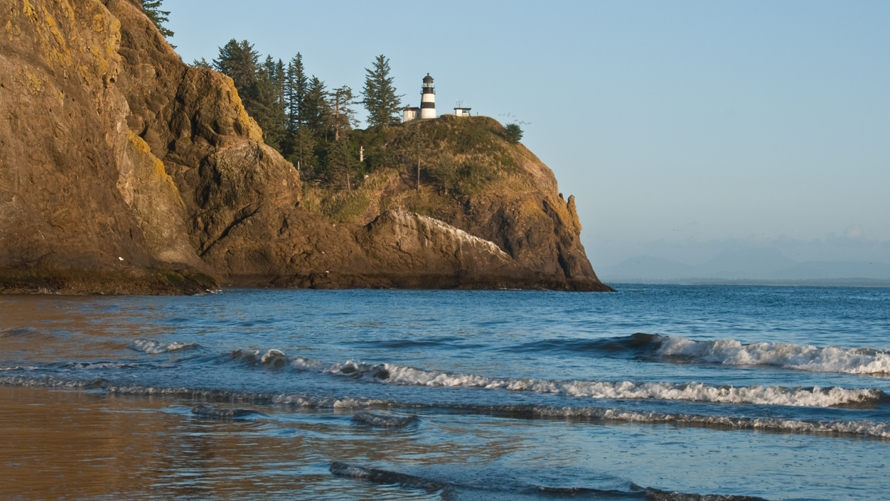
point(427, 79)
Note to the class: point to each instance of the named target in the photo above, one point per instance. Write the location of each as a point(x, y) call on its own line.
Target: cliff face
point(474, 179)
point(124, 170)
point(84, 205)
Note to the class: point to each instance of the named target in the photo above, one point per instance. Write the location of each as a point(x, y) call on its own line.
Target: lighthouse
point(428, 98)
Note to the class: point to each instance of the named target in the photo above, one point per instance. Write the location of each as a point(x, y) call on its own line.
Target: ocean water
point(652, 392)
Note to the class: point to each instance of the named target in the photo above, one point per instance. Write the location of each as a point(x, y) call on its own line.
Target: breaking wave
point(863, 428)
point(112, 366)
point(690, 392)
point(19, 368)
point(53, 382)
point(864, 361)
point(157, 347)
point(693, 392)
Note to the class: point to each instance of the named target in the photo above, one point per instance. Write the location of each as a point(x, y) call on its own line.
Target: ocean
point(651, 392)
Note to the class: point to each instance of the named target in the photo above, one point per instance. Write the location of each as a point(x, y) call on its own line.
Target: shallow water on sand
point(779, 393)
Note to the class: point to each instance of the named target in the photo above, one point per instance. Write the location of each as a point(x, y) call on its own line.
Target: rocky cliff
point(124, 170)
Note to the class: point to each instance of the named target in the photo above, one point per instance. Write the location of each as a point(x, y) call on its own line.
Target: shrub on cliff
point(513, 133)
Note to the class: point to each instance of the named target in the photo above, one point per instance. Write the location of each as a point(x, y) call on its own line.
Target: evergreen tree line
point(310, 124)
point(314, 127)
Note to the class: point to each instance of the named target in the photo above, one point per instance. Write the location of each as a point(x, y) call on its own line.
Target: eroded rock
point(121, 164)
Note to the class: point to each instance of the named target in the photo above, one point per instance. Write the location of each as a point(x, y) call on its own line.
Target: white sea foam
point(212, 395)
point(692, 392)
point(157, 347)
point(101, 365)
point(274, 358)
point(869, 429)
point(786, 355)
point(51, 382)
point(864, 428)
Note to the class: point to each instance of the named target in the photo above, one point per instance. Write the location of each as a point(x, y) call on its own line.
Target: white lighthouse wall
point(427, 113)
point(429, 98)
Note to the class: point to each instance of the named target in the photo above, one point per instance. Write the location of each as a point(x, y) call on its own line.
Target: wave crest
point(385, 373)
point(810, 358)
point(867, 429)
point(157, 347)
point(691, 392)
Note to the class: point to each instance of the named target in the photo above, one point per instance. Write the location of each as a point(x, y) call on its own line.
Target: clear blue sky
point(682, 128)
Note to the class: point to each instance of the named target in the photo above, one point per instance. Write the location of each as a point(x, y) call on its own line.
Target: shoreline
point(170, 282)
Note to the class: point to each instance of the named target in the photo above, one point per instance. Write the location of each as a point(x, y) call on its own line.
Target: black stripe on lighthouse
point(428, 105)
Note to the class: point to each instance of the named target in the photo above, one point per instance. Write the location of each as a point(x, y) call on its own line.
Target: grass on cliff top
point(341, 205)
point(460, 157)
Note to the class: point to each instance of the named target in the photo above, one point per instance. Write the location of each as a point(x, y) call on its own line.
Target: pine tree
point(380, 98)
point(271, 78)
point(342, 162)
point(277, 70)
point(239, 61)
point(152, 9)
point(260, 87)
point(303, 146)
point(266, 103)
point(316, 109)
point(342, 117)
point(295, 88)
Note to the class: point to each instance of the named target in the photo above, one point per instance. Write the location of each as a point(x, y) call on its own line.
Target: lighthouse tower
point(428, 98)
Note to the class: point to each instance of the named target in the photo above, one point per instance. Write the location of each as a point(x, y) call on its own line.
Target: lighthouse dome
point(427, 79)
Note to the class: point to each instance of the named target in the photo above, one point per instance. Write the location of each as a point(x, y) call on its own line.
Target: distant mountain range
point(748, 266)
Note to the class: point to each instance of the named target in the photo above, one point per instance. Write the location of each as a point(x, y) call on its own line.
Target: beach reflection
point(91, 445)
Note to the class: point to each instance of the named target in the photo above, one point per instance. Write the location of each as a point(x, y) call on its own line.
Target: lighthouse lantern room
point(428, 98)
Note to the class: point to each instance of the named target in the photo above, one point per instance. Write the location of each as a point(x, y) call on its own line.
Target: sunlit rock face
point(122, 169)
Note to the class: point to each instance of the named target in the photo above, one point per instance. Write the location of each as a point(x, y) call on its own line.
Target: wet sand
point(75, 445)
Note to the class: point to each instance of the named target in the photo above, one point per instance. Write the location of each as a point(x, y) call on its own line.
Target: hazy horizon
point(685, 130)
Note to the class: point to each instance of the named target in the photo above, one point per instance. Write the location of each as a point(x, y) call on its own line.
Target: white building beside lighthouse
point(410, 113)
point(462, 111)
